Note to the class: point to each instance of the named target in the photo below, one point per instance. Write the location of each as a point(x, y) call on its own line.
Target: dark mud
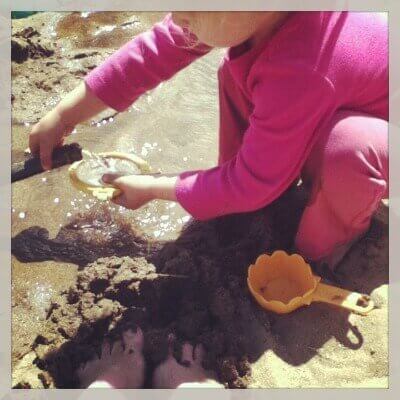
point(27, 44)
point(89, 236)
point(64, 155)
point(192, 289)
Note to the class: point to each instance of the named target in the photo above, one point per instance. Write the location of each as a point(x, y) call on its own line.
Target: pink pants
point(346, 172)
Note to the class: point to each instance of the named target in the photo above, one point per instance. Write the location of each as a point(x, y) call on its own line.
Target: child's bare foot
point(171, 375)
point(121, 366)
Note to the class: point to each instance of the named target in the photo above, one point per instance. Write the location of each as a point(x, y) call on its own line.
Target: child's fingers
point(112, 179)
point(34, 144)
point(121, 200)
point(46, 152)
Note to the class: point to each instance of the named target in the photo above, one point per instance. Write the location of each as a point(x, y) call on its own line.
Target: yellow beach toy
point(86, 175)
point(282, 283)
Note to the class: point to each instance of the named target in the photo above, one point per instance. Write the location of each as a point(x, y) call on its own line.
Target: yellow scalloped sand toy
point(282, 283)
point(86, 174)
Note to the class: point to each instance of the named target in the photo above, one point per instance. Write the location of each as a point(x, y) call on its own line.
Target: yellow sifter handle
point(353, 301)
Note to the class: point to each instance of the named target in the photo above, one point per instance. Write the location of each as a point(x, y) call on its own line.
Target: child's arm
point(137, 67)
point(138, 190)
point(143, 63)
point(290, 104)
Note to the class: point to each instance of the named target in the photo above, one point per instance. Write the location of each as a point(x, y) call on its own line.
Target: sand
point(194, 290)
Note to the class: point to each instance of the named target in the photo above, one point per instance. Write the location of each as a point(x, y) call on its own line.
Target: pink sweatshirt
point(315, 64)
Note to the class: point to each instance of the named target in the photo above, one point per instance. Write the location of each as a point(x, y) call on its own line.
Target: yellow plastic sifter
point(282, 283)
point(86, 175)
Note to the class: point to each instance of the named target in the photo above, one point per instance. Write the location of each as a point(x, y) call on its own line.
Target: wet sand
point(174, 129)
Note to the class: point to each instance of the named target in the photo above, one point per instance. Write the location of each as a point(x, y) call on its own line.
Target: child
point(302, 94)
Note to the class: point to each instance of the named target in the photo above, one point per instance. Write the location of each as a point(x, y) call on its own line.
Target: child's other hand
point(46, 135)
point(138, 190)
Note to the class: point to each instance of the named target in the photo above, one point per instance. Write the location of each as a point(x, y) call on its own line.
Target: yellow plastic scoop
point(86, 175)
point(282, 283)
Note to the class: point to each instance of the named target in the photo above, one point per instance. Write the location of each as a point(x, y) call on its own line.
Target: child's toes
point(87, 373)
point(128, 340)
point(82, 368)
point(81, 372)
point(133, 341)
point(199, 353)
point(187, 353)
point(117, 350)
point(106, 350)
point(138, 340)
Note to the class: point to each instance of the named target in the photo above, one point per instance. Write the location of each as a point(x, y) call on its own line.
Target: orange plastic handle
point(353, 301)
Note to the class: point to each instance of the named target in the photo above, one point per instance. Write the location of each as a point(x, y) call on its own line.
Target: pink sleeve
point(289, 105)
point(142, 63)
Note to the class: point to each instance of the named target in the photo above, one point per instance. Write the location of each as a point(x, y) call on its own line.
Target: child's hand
point(138, 190)
point(77, 106)
point(46, 135)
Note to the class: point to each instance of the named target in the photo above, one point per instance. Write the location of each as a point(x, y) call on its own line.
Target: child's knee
point(348, 170)
point(355, 153)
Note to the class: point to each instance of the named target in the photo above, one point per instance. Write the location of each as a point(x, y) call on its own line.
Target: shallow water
point(174, 128)
point(93, 167)
point(103, 29)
